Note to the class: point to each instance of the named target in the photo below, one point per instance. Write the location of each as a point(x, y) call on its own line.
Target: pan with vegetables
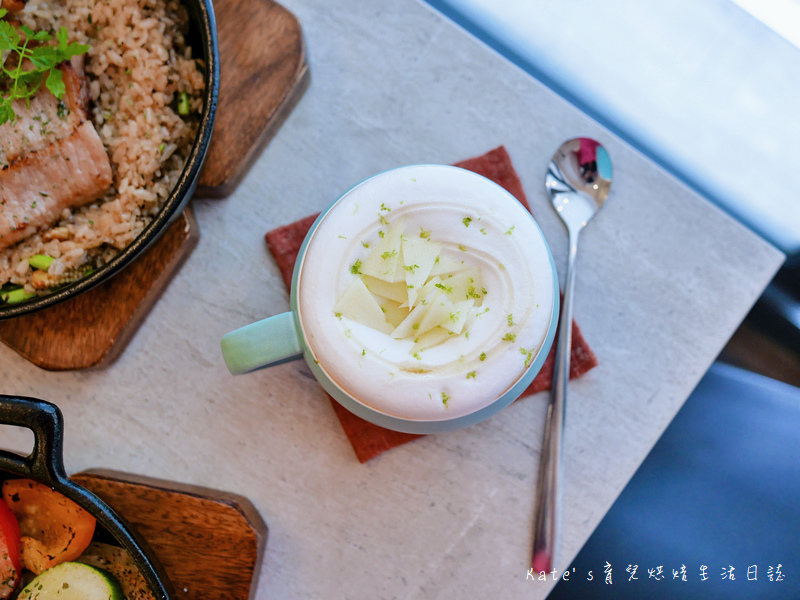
point(56, 538)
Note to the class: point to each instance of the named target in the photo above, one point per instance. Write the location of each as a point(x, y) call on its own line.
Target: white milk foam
point(465, 373)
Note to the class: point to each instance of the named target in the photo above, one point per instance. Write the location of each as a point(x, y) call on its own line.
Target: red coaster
point(369, 440)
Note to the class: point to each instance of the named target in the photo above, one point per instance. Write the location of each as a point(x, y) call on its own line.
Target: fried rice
point(138, 66)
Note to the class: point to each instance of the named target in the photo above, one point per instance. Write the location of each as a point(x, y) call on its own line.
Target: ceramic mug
point(474, 259)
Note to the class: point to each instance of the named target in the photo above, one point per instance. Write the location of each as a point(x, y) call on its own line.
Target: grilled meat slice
point(13, 6)
point(35, 189)
point(45, 119)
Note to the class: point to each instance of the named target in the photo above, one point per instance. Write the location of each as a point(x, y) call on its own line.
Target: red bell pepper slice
point(10, 562)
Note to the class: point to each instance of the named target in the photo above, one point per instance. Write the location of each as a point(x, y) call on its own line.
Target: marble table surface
point(664, 279)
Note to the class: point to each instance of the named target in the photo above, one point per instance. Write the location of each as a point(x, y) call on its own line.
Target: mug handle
point(262, 344)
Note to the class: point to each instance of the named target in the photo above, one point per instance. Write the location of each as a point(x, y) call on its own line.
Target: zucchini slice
point(73, 581)
point(119, 563)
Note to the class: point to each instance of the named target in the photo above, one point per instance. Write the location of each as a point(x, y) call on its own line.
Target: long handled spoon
point(578, 180)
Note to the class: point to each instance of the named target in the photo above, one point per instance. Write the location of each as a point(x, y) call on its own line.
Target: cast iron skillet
point(203, 39)
point(45, 465)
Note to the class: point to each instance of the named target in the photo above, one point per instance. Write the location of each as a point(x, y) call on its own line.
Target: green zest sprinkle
point(510, 230)
point(444, 287)
point(528, 354)
point(40, 62)
point(510, 320)
point(365, 244)
point(482, 356)
point(183, 104)
point(384, 207)
point(40, 261)
point(466, 221)
point(383, 220)
point(410, 268)
point(471, 375)
point(356, 268)
point(509, 337)
point(338, 315)
point(424, 234)
point(381, 234)
point(363, 352)
point(445, 398)
point(387, 255)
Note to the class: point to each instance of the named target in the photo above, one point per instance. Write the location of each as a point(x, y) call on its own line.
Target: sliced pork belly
point(46, 120)
point(35, 189)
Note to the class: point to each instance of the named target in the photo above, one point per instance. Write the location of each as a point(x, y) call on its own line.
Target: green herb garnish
point(34, 66)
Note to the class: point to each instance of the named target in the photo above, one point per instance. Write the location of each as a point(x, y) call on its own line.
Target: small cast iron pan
point(45, 464)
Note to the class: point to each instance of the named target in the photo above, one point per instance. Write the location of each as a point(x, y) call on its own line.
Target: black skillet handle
point(46, 461)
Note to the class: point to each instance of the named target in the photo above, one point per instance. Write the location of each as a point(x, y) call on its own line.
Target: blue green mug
point(477, 273)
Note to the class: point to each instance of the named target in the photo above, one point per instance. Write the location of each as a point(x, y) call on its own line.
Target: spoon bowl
point(578, 181)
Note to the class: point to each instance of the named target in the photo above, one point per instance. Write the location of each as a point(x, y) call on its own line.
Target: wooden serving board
point(210, 543)
point(263, 73)
point(76, 334)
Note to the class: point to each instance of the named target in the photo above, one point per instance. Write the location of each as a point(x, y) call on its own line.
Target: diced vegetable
point(41, 261)
point(16, 296)
point(53, 528)
point(183, 104)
